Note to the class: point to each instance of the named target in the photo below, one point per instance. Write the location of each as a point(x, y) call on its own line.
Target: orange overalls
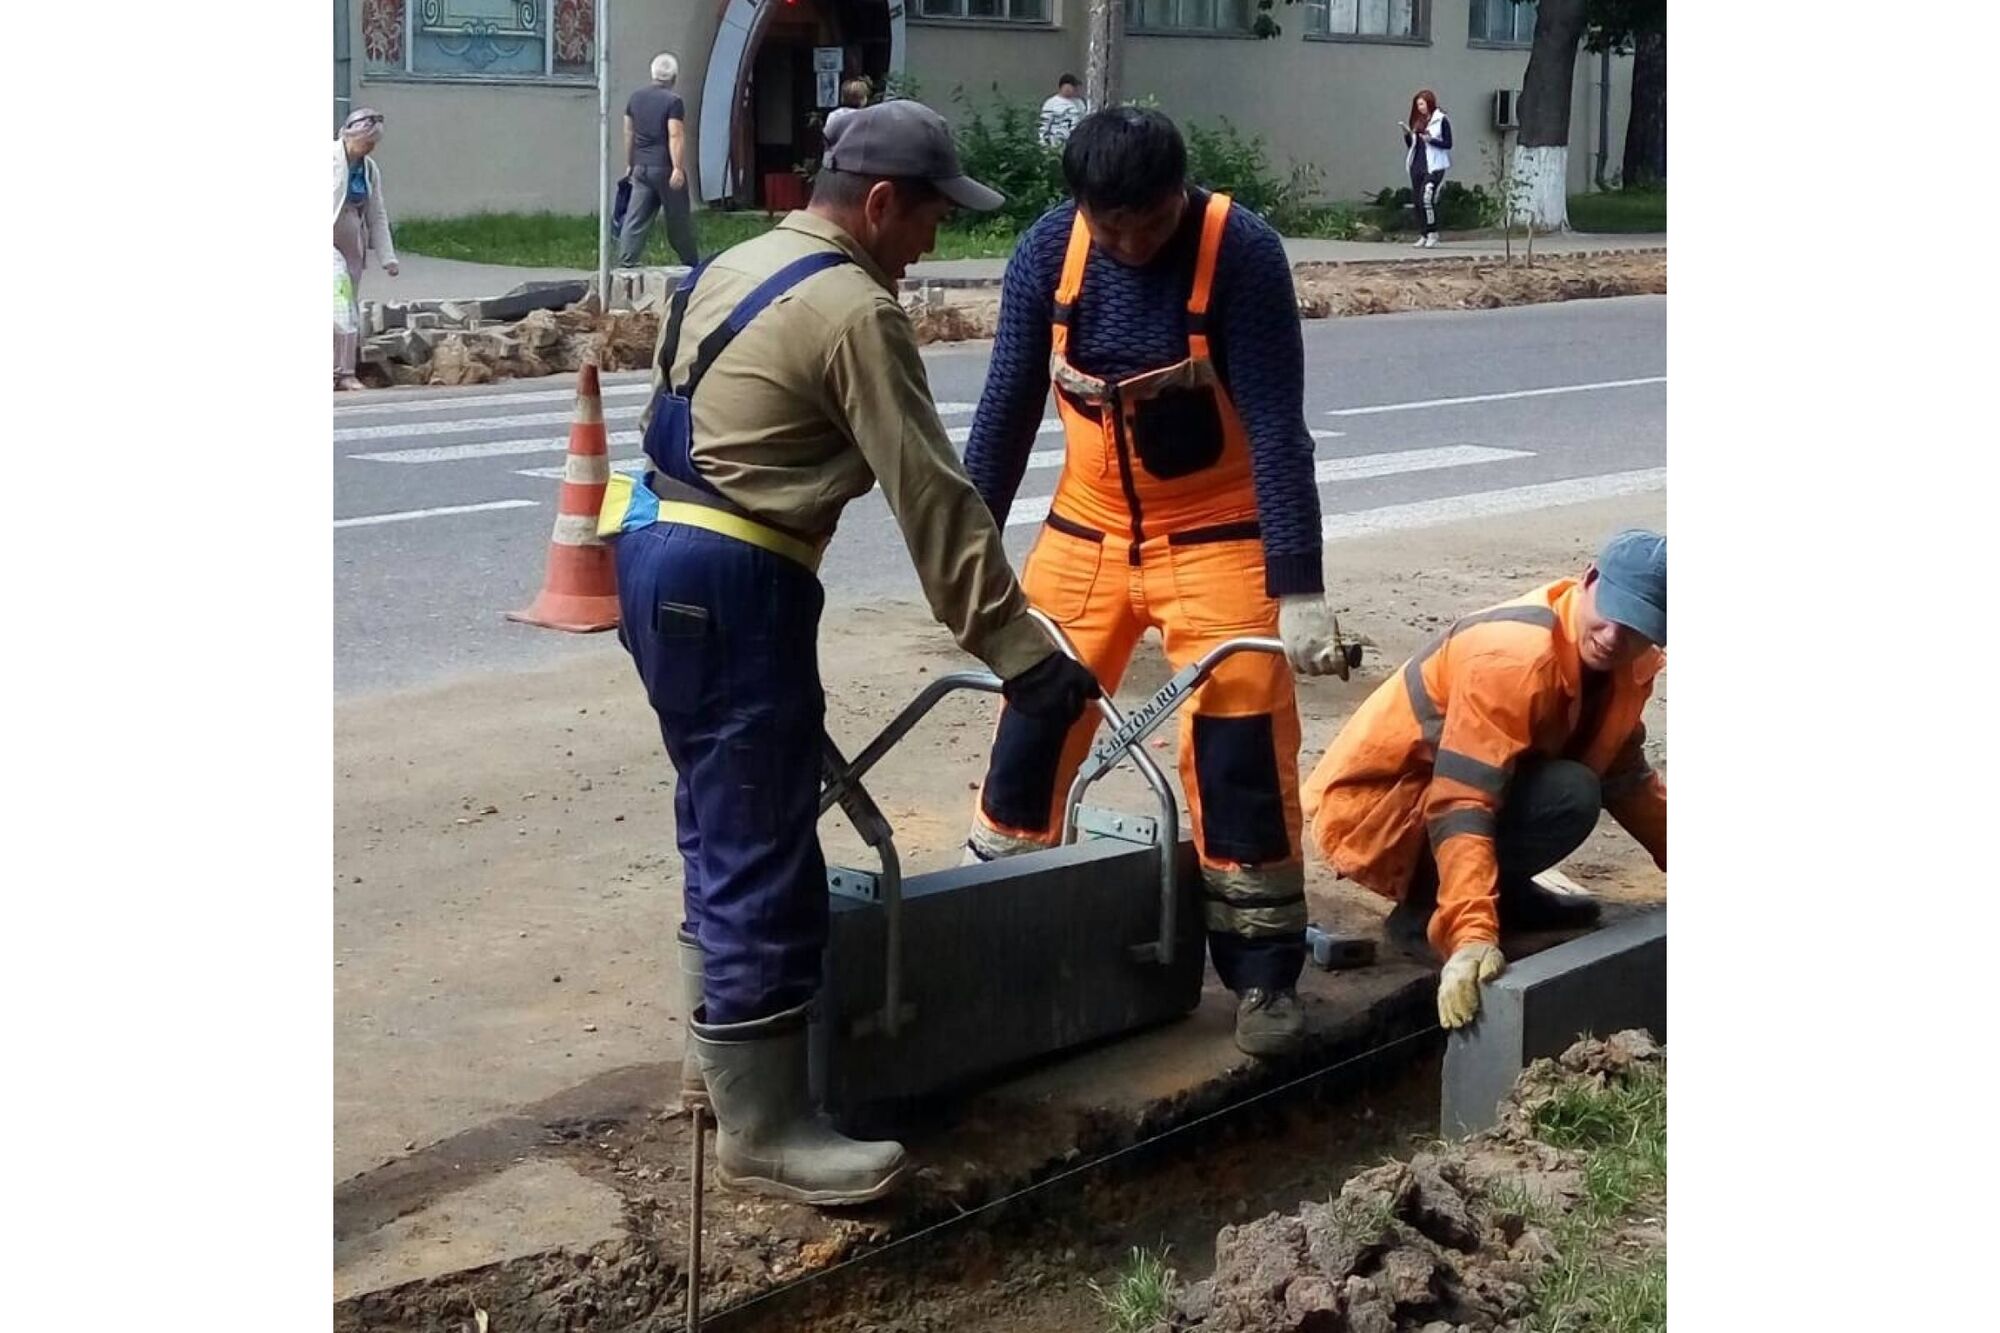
point(1153, 525)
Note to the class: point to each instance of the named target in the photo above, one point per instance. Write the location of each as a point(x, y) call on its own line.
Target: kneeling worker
point(1487, 758)
point(787, 383)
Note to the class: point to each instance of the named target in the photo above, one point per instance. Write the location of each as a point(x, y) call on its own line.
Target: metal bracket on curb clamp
point(863, 886)
point(1118, 826)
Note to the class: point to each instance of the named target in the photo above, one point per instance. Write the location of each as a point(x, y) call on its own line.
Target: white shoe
point(1420, 242)
point(1431, 241)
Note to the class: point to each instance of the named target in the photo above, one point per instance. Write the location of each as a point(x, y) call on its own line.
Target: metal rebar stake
point(698, 1119)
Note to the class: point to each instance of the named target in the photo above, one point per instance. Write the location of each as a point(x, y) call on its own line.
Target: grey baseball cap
point(1632, 582)
point(907, 140)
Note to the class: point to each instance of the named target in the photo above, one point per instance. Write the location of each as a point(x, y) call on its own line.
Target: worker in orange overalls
point(1487, 758)
point(1166, 319)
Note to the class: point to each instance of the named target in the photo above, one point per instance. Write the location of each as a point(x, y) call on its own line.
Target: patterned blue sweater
point(1131, 320)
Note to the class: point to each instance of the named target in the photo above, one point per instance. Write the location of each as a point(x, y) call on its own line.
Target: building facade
point(492, 104)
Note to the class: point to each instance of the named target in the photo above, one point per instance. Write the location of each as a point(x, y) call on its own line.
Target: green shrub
point(1460, 208)
point(998, 145)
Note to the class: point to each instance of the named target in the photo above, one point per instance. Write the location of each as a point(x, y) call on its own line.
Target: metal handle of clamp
point(841, 785)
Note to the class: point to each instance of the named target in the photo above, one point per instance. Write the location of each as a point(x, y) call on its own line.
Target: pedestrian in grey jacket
point(360, 224)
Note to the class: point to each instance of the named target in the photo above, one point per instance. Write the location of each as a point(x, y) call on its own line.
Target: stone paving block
point(1607, 981)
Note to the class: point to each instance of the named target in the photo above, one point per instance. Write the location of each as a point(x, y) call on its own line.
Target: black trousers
point(1549, 809)
point(1424, 187)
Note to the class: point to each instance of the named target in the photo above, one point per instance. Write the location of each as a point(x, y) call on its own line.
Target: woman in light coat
point(1427, 154)
point(360, 224)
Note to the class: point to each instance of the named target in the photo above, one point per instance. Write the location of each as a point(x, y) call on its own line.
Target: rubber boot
point(772, 1140)
point(693, 1092)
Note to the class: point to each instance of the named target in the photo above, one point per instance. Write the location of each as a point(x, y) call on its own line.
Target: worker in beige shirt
point(786, 383)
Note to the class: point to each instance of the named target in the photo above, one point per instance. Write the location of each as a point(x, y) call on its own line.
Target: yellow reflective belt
point(742, 529)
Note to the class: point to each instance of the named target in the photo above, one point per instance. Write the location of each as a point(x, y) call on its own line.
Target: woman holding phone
point(1427, 155)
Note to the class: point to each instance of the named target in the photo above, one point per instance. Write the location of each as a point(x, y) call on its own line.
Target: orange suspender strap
point(1212, 224)
point(1074, 259)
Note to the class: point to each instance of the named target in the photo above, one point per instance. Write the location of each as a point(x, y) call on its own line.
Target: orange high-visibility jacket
point(1429, 754)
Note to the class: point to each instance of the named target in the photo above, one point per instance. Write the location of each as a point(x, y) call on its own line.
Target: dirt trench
point(1023, 1264)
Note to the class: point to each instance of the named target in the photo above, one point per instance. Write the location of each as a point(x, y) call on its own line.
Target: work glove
point(1469, 967)
point(1311, 635)
point(1054, 689)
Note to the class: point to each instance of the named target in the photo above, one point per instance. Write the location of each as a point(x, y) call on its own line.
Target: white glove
point(1311, 635)
point(1470, 966)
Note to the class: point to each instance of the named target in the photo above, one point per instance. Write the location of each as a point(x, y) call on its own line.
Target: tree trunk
point(1541, 153)
point(1103, 70)
point(1646, 130)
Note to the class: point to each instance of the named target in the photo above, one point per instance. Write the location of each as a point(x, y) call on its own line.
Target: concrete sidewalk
point(427, 279)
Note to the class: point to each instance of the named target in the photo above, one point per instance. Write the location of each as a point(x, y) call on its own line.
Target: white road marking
point(453, 453)
point(629, 466)
point(1036, 509)
point(466, 425)
point(1493, 397)
point(1410, 460)
point(1490, 504)
point(451, 402)
point(369, 520)
point(448, 402)
point(1041, 458)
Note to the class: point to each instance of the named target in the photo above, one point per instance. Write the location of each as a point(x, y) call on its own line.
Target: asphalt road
point(443, 499)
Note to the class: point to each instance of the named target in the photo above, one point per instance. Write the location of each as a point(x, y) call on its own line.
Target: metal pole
point(603, 159)
point(1603, 114)
point(1104, 53)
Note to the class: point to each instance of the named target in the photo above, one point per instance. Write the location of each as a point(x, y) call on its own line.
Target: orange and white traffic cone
point(580, 591)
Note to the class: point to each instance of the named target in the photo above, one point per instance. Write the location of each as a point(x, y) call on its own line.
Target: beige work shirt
point(822, 396)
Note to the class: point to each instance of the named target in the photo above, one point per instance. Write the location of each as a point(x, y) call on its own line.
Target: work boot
point(1269, 1022)
point(693, 1092)
point(772, 1140)
point(1527, 906)
point(1406, 929)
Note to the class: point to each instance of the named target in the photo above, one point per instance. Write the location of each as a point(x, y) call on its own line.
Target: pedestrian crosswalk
point(513, 428)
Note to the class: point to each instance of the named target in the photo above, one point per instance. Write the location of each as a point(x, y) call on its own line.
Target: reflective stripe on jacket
point(1428, 756)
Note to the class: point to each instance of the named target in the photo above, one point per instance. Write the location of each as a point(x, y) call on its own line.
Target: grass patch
point(1137, 1299)
point(1622, 1129)
point(1634, 210)
point(556, 240)
point(569, 240)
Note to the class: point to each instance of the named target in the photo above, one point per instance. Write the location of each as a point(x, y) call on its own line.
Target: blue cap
point(1632, 583)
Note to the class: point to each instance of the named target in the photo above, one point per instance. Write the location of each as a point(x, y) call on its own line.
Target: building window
point(1189, 15)
point(491, 39)
point(1006, 11)
point(1503, 23)
point(1402, 19)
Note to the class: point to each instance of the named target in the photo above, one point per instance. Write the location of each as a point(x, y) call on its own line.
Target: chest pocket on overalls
point(1177, 432)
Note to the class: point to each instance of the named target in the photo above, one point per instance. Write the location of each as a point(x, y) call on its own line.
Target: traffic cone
point(580, 591)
